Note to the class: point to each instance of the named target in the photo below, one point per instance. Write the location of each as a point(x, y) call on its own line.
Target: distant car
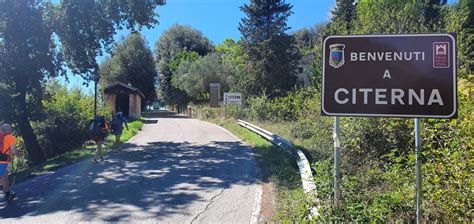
point(156, 105)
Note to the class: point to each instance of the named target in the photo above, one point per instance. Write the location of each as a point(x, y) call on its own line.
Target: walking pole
point(14, 177)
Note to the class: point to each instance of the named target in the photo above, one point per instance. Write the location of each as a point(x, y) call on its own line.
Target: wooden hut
point(125, 98)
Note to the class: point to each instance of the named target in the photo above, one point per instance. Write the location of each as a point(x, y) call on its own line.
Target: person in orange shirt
point(8, 149)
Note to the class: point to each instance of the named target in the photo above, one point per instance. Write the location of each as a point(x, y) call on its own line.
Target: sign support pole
point(337, 163)
point(239, 112)
point(418, 169)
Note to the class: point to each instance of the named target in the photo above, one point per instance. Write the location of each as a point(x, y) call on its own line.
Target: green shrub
point(293, 206)
point(378, 165)
point(448, 154)
point(233, 111)
point(66, 117)
point(296, 105)
point(378, 169)
point(259, 108)
point(206, 113)
point(133, 128)
point(366, 139)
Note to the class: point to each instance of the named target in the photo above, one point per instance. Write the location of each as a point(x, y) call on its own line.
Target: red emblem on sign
point(440, 55)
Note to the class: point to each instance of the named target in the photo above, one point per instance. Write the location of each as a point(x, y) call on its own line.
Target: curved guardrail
point(307, 180)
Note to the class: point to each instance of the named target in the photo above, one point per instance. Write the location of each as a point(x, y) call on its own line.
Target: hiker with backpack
point(99, 130)
point(117, 127)
point(8, 149)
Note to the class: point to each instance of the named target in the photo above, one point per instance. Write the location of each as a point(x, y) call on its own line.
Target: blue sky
point(219, 20)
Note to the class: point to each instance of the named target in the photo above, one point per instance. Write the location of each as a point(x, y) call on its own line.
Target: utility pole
point(96, 80)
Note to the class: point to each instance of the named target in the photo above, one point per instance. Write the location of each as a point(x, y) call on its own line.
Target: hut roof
point(120, 87)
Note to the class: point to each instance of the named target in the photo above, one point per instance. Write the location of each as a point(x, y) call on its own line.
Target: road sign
point(390, 76)
point(214, 94)
point(233, 98)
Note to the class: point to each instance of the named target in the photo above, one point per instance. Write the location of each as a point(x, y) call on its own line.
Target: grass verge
point(74, 156)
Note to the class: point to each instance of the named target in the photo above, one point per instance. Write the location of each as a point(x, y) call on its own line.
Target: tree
point(174, 40)
point(27, 58)
point(233, 57)
point(194, 76)
point(343, 16)
point(316, 76)
point(183, 56)
point(131, 62)
point(390, 16)
point(432, 13)
point(232, 54)
point(304, 40)
point(272, 55)
point(28, 54)
point(460, 19)
point(85, 27)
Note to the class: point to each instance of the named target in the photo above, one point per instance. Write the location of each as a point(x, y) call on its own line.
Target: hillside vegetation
point(378, 159)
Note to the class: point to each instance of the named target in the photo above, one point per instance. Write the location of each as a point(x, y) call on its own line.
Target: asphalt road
point(176, 171)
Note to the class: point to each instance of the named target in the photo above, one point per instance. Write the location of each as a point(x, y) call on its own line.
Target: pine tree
point(343, 17)
point(271, 51)
point(432, 13)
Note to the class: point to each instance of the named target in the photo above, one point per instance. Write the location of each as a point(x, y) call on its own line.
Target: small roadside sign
point(409, 75)
point(233, 98)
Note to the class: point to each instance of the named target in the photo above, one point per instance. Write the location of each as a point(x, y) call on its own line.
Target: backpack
point(97, 127)
point(3, 156)
point(116, 123)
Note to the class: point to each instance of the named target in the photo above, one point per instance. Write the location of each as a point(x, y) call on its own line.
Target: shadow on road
point(155, 182)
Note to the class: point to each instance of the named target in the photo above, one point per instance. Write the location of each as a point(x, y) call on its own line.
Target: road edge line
point(257, 205)
point(258, 174)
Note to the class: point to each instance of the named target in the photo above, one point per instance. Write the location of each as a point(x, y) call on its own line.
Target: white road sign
point(233, 98)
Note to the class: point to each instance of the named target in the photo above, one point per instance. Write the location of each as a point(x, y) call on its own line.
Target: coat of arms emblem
point(336, 55)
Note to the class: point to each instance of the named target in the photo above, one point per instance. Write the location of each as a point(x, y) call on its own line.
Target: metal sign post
point(418, 169)
point(233, 99)
point(337, 161)
point(225, 110)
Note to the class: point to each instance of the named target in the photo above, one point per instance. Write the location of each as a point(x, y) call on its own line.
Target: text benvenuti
point(388, 56)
